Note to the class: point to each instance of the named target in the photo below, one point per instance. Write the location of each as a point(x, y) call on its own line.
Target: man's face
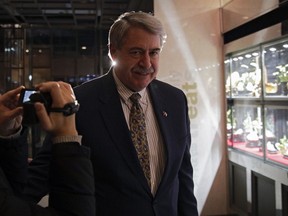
point(138, 59)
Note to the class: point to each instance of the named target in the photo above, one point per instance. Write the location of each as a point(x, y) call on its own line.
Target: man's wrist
point(68, 138)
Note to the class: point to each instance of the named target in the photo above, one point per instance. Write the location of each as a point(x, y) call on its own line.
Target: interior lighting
point(248, 55)
point(83, 47)
point(272, 49)
point(255, 54)
point(235, 59)
point(285, 46)
point(244, 66)
point(27, 50)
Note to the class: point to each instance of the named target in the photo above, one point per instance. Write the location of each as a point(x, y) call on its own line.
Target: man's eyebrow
point(136, 48)
point(143, 50)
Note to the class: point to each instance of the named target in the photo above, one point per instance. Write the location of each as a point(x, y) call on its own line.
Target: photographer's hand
point(10, 112)
point(56, 123)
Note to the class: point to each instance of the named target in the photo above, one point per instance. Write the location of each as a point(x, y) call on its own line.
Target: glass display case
point(257, 105)
point(245, 131)
point(276, 125)
point(275, 68)
point(244, 77)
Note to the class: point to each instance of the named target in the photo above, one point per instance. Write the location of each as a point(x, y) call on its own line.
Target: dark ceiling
point(68, 13)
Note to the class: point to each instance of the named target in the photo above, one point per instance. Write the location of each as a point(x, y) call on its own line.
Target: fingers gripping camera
point(30, 96)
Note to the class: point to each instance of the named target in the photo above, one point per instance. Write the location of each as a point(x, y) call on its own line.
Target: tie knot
point(135, 97)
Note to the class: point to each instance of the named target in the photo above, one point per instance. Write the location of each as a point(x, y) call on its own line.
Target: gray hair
point(140, 19)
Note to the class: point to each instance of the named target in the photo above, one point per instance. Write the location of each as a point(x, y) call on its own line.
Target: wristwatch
point(68, 109)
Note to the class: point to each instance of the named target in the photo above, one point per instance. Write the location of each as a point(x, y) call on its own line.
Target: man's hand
point(10, 113)
point(56, 123)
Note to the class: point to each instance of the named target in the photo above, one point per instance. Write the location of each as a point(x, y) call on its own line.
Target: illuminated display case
point(245, 130)
point(275, 68)
point(257, 105)
point(244, 76)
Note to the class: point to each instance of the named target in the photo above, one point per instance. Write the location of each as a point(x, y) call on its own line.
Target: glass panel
point(276, 133)
point(275, 68)
point(246, 129)
point(246, 74)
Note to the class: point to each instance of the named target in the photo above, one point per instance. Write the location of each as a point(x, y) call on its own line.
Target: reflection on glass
point(245, 129)
point(275, 68)
point(244, 78)
point(277, 134)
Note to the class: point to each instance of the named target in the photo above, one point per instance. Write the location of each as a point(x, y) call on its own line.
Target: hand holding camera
point(56, 110)
point(52, 104)
point(10, 112)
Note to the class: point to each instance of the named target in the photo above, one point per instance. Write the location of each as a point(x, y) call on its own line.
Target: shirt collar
point(125, 93)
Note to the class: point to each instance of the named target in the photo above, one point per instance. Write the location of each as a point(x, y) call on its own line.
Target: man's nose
point(145, 61)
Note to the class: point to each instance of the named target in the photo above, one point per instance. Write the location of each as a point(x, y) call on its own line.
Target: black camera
point(28, 97)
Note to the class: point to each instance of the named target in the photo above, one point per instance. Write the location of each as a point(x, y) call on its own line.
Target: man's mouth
point(143, 71)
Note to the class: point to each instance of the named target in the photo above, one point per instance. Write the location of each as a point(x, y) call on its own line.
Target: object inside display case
point(275, 68)
point(244, 76)
point(277, 124)
point(246, 132)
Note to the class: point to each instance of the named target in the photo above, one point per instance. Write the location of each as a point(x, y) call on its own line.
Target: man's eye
point(136, 53)
point(154, 53)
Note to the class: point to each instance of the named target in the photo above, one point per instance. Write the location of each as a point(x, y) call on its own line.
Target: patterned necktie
point(138, 135)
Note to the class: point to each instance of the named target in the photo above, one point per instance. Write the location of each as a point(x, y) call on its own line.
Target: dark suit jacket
point(71, 181)
point(120, 185)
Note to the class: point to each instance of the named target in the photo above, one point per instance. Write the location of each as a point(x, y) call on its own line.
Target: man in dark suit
point(141, 167)
point(71, 174)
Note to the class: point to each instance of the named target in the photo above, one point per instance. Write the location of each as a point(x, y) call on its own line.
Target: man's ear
point(112, 51)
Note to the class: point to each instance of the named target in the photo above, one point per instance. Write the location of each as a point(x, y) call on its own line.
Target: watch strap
point(68, 109)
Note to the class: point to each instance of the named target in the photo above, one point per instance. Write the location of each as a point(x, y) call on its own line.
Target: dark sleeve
point(11, 205)
point(38, 174)
point(13, 175)
point(71, 180)
point(72, 186)
point(14, 161)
